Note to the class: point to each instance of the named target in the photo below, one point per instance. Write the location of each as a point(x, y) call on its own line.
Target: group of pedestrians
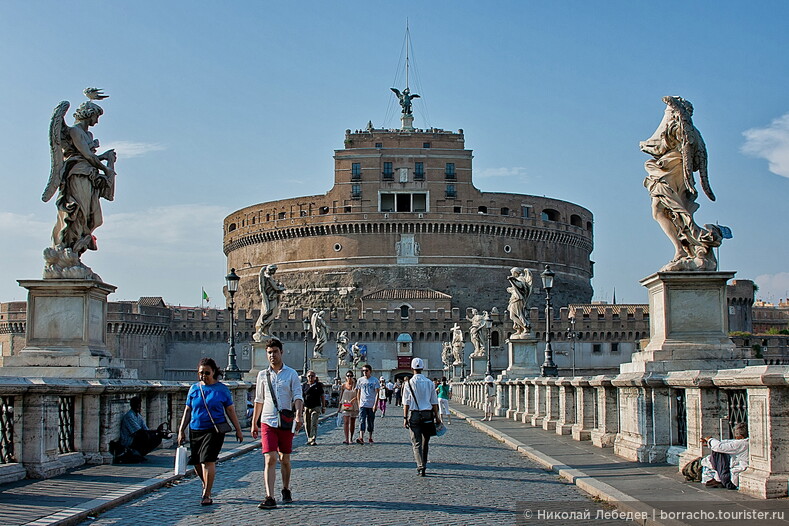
point(282, 404)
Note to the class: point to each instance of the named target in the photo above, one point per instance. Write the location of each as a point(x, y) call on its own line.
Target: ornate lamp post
point(548, 368)
point(488, 325)
point(305, 324)
point(572, 335)
point(232, 372)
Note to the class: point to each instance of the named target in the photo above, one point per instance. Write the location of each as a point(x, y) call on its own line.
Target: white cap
point(489, 379)
point(417, 364)
point(383, 379)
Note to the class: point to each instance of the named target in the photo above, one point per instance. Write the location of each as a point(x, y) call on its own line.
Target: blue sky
point(216, 106)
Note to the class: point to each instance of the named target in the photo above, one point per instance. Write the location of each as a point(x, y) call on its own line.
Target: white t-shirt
point(424, 395)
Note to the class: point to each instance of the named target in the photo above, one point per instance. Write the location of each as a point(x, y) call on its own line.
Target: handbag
point(222, 427)
point(180, 461)
point(286, 416)
point(441, 430)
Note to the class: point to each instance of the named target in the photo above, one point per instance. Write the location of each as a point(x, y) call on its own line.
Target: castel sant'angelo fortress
point(404, 243)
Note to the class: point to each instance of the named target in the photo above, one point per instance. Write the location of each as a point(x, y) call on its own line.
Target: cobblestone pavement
point(472, 479)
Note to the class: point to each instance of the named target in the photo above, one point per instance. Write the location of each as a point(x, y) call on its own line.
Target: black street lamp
point(571, 334)
point(305, 324)
point(548, 368)
point(232, 372)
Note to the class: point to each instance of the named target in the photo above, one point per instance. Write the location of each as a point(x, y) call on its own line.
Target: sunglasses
point(204, 373)
point(349, 376)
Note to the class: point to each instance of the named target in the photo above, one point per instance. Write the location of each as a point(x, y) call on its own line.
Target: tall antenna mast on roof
point(407, 49)
point(405, 98)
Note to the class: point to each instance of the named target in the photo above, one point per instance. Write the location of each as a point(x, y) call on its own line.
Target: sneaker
point(286, 496)
point(268, 504)
point(360, 440)
point(370, 440)
point(712, 483)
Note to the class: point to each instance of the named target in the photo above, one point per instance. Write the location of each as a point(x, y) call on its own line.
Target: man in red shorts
point(278, 388)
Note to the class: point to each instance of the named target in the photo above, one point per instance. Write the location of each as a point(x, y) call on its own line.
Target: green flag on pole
point(205, 296)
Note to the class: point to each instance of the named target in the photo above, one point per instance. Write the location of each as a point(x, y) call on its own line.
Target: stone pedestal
point(408, 122)
point(457, 371)
point(522, 354)
point(259, 362)
point(688, 325)
point(688, 330)
point(66, 334)
point(321, 368)
point(479, 365)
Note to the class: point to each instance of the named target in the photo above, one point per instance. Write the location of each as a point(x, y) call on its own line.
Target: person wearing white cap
point(420, 413)
point(490, 398)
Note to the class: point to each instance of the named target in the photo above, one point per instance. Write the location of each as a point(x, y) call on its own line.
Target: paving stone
point(472, 479)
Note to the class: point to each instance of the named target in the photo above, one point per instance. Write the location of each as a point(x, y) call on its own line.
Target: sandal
point(206, 501)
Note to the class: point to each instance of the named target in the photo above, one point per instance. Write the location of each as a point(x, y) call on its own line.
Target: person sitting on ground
point(729, 458)
point(136, 439)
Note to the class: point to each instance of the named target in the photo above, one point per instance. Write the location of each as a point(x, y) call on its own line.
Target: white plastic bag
point(340, 420)
point(181, 457)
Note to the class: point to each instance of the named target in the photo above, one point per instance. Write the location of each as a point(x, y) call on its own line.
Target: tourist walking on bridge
point(207, 404)
point(420, 413)
point(349, 406)
point(368, 388)
point(277, 417)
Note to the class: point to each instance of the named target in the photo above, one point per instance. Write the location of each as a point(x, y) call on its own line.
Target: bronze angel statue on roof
point(405, 99)
point(80, 177)
point(678, 151)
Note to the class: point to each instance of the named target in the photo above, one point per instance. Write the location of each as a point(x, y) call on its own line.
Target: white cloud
point(515, 171)
point(20, 224)
point(177, 228)
point(128, 149)
point(773, 287)
point(771, 143)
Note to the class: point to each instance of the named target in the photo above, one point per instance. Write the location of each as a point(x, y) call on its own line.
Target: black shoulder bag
point(426, 420)
point(286, 416)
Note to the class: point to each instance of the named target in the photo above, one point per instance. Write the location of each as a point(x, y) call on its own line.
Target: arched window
point(404, 311)
point(575, 220)
point(482, 210)
point(231, 227)
point(550, 214)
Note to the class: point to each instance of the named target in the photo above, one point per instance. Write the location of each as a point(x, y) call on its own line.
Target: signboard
point(403, 362)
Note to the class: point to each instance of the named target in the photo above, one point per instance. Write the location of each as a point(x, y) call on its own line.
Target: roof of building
point(152, 301)
point(407, 294)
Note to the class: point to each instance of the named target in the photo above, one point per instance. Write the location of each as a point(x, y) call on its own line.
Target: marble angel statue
point(81, 178)
point(678, 151)
point(520, 289)
point(270, 292)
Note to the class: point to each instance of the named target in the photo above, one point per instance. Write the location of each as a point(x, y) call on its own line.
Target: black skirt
point(205, 445)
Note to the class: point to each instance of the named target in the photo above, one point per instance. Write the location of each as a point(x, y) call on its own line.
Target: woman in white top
point(490, 398)
point(382, 396)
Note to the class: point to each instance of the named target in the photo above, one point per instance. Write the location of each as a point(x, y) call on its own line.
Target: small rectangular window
point(419, 171)
point(596, 347)
point(356, 191)
point(420, 202)
point(451, 192)
point(525, 211)
point(449, 171)
point(425, 145)
point(356, 171)
point(615, 347)
point(379, 145)
point(388, 172)
point(458, 209)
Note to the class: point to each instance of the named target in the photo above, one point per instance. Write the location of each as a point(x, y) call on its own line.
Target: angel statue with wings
point(81, 178)
point(677, 151)
point(270, 292)
point(520, 289)
point(405, 99)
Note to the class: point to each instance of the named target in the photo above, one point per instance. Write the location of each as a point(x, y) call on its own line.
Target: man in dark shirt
point(314, 405)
